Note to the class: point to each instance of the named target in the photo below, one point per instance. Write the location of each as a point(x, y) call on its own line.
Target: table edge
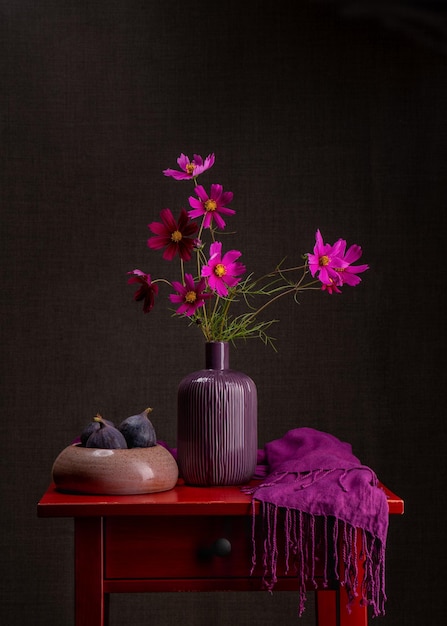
point(181, 500)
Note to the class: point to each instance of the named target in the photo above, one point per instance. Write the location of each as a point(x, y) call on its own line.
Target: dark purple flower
point(172, 235)
point(147, 291)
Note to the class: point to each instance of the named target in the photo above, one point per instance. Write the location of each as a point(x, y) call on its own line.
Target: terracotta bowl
point(115, 472)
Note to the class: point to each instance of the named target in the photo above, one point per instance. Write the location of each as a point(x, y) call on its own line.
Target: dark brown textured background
point(330, 116)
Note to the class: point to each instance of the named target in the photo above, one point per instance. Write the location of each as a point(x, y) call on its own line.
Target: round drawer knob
point(221, 547)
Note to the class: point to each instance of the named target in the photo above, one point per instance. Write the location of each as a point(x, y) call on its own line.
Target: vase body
point(217, 415)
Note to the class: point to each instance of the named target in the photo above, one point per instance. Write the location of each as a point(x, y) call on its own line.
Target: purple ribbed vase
point(217, 418)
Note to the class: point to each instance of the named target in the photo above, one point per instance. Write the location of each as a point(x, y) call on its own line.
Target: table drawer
point(185, 547)
point(177, 547)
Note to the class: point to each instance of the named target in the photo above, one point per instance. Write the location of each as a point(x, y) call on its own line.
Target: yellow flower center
point(191, 297)
point(210, 205)
point(324, 260)
point(190, 168)
point(176, 236)
point(220, 270)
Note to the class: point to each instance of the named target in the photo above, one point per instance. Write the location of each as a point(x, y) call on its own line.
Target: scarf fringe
point(340, 540)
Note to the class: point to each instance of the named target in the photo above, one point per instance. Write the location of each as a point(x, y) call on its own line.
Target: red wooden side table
point(185, 539)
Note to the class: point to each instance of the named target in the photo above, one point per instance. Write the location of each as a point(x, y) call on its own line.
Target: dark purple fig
point(139, 431)
point(106, 436)
point(91, 428)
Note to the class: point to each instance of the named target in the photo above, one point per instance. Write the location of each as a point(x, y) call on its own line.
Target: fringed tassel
point(373, 586)
point(350, 562)
point(299, 545)
point(269, 514)
point(340, 541)
point(371, 590)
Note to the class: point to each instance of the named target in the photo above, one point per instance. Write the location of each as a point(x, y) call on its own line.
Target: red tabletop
point(182, 500)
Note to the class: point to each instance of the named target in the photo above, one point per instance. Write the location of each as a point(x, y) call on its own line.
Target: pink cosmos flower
point(175, 236)
point(348, 274)
point(334, 265)
point(325, 259)
point(147, 291)
point(190, 296)
point(222, 272)
point(211, 206)
point(332, 288)
point(191, 169)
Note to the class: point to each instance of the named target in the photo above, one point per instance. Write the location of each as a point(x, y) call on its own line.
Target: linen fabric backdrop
point(321, 114)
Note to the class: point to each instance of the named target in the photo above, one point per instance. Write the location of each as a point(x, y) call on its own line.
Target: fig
point(138, 430)
point(106, 436)
point(91, 428)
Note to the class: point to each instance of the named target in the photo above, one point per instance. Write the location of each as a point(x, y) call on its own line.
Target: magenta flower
point(325, 259)
point(191, 169)
point(211, 206)
point(334, 266)
point(222, 272)
point(147, 291)
point(175, 236)
point(332, 288)
point(348, 273)
point(190, 296)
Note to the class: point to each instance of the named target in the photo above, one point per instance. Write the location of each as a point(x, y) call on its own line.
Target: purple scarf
point(307, 475)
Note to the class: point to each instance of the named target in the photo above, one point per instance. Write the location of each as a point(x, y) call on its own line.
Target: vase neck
point(217, 355)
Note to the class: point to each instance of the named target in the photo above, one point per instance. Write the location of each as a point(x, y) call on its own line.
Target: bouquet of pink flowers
point(212, 285)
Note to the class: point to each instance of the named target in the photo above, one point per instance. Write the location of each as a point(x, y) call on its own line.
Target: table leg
point(326, 607)
point(91, 604)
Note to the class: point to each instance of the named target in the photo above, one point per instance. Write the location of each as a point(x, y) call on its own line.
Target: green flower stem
point(205, 325)
point(226, 309)
point(162, 280)
point(182, 270)
point(280, 271)
point(252, 316)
